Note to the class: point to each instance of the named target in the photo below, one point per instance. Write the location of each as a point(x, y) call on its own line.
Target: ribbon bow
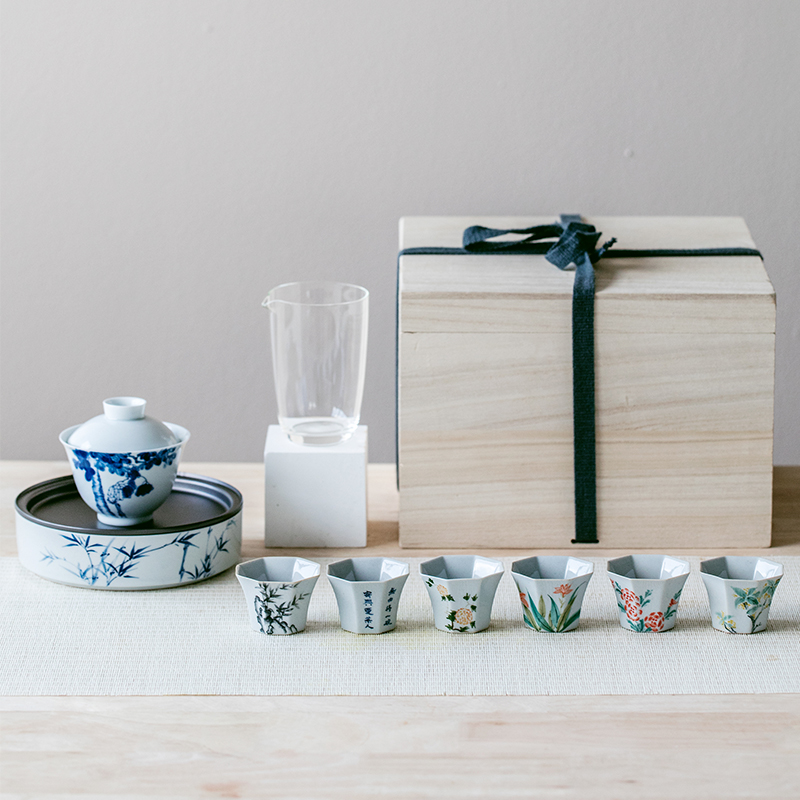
point(576, 241)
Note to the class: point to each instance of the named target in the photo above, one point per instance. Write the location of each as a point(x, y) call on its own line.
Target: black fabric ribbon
point(576, 243)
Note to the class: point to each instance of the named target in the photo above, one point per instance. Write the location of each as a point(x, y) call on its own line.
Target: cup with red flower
point(551, 590)
point(648, 589)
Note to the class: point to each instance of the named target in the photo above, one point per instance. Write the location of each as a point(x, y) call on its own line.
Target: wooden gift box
point(684, 360)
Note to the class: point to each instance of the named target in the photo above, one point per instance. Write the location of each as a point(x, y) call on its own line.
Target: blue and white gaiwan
point(124, 463)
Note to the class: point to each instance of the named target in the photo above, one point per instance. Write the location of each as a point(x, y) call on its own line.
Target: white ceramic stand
point(315, 496)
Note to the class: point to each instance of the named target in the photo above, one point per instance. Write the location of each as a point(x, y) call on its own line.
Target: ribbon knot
point(576, 241)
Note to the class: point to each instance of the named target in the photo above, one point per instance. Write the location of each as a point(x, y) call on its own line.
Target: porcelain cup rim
point(404, 574)
point(518, 574)
point(749, 581)
point(687, 568)
point(498, 571)
point(241, 577)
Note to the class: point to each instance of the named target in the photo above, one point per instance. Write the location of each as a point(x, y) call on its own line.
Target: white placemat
point(59, 640)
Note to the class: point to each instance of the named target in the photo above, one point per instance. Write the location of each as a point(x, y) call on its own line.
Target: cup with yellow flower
point(461, 589)
point(740, 591)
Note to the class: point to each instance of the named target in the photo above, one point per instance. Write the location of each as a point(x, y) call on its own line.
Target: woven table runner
point(59, 640)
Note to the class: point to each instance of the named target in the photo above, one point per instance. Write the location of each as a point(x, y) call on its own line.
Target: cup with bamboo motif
point(277, 591)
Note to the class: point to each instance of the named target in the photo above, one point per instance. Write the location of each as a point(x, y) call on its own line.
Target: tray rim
point(188, 477)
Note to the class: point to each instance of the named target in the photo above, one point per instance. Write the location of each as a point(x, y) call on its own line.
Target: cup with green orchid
point(551, 590)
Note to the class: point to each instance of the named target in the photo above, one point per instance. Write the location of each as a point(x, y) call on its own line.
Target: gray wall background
point(166, 162)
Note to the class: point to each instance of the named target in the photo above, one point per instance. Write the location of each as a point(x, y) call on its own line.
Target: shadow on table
point(783, 625)
point(588, 623)
point(693, 624)
point(382, 532)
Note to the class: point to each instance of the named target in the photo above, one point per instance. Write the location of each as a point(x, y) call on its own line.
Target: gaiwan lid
point(122, 428)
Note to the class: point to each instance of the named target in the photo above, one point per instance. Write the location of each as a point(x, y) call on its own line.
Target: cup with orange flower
point(551, 590)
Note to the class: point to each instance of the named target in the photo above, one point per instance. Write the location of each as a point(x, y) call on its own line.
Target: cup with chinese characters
point(368, 592)
point(551, 590)
point(740, 590)
point(461, 589)
point(277, 591)
point(648, 588)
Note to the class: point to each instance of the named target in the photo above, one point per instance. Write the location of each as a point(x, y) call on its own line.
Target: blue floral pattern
point(101, 561)
point(129, 466)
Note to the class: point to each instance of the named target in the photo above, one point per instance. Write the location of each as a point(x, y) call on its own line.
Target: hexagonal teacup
point(648, 588)
point(368, 592)
point(740, 590)
point(278, 591)
point(461, 589)
point(551, 590)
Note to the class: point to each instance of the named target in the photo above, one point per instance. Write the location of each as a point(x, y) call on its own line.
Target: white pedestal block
point(316, 496)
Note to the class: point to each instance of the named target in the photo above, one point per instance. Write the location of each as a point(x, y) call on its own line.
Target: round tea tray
point(196, 534)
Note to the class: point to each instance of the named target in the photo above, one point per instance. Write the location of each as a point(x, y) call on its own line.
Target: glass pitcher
point(319, 354)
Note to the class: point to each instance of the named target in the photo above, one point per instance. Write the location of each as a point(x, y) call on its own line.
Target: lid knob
point(119, 408)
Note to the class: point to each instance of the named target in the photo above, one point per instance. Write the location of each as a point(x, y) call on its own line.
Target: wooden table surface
point(687, 746)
